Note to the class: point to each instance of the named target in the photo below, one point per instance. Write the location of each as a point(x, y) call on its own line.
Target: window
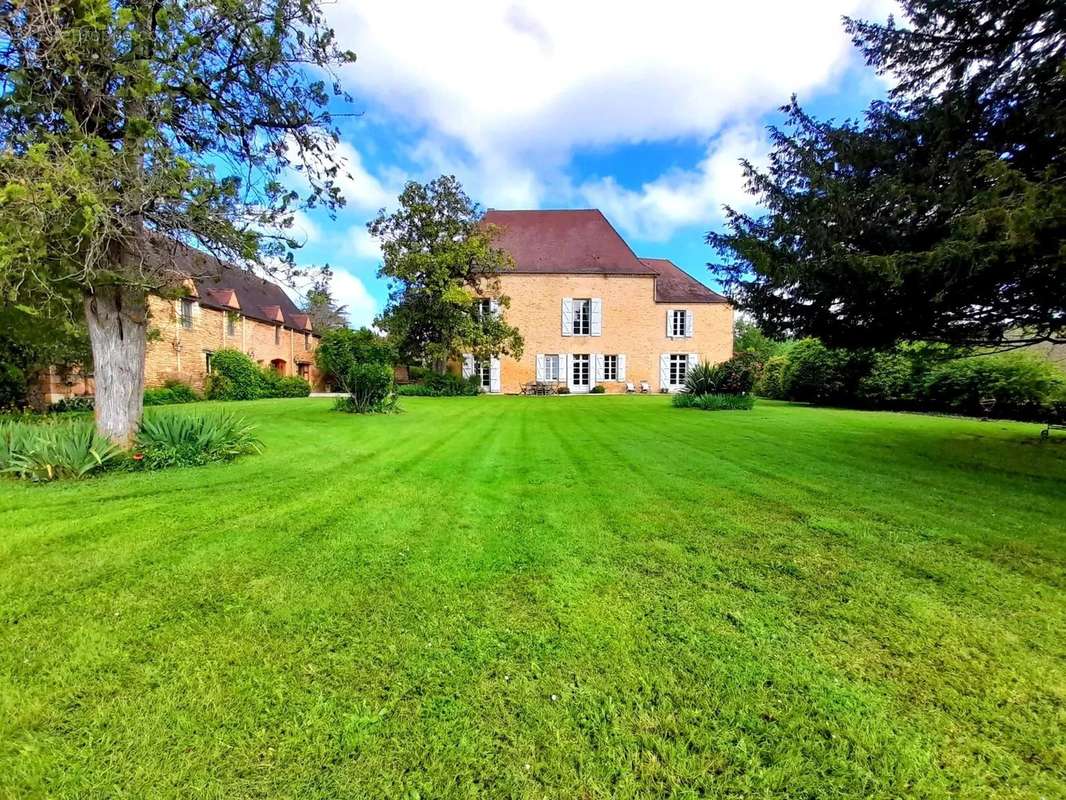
point(482, 308)
point(483, 370)
point(582, 317)
point(277, 334)
point(307, 341)
point(678, 368)
point(610, 368)
point(303, 370)
point(231, 323)
point(678, 322)
point(185, 312)
point(207, 361)
point(581, 370)
point(551, 368)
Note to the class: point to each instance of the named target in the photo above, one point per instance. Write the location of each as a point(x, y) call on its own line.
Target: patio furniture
point(630, 388)
point(645, 388)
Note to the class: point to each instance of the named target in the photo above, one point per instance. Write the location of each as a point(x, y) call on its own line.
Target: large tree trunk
point(118, 327)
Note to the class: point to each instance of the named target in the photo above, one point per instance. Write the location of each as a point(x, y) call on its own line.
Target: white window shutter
point(468, 365)
point(597, 316)
point(664, 370)
point(540, 366)
point(599, 366)
point(494, 307)
point(688, 324)
point(669, 323)
point(621, 366)
point(494, 375)
point(568, 316)
point(693, 359)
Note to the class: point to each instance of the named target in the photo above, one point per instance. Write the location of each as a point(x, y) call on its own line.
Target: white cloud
point(506, 91)
point(679, 197)
point(349, 290)
point(362, 244)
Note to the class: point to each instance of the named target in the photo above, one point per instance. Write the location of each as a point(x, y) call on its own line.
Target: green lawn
point(547, 597)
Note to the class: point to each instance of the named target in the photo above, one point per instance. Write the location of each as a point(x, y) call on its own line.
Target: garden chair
point(645, 388)
point(630, 388)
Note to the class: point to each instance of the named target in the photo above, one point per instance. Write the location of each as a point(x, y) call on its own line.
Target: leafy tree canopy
point(942, 216)
point(128, 127)
point(342, 348)
point(326, 313)
point(438, 257)
point(37, 333)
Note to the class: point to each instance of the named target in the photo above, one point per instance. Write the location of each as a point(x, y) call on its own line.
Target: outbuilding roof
point(582, 241)
point(228, 288)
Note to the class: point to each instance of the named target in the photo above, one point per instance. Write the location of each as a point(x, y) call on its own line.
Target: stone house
point(224, 308)
point(592, 313)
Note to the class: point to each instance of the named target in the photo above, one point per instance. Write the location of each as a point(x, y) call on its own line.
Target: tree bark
point(118, 331)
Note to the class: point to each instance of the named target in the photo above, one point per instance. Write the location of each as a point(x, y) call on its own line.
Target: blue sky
point(639, 109)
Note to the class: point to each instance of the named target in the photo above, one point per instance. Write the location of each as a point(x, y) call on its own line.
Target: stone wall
point(632, 324)
point(177, 352)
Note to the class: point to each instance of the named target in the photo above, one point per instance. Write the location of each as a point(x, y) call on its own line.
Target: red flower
point(138, 456)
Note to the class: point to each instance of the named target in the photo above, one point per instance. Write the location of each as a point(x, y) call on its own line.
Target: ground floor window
point(483, 370)
point(303, 369)
point(610, 368)
point(678, 368)
point(207, 361)
point(581, 370)
point(551, 368)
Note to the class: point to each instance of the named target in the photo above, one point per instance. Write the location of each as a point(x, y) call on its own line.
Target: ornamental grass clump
point(53, 451)
point(190, 440)
point(720, 387)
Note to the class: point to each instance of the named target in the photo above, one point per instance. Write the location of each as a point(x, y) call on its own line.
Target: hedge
point(916, 377)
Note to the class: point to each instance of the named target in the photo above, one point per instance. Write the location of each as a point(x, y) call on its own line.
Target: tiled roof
point(583, 242)
point(580, 241)
point(224, 287)
point(674, 285)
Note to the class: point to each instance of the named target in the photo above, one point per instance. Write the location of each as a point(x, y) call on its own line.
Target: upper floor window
point(482, 308)
point(307, 341)
point(582, 317)
point(678, 322)
point(231, 323)
point(277, 334)
point(185, 312)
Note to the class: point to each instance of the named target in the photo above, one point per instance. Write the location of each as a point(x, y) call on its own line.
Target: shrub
point(370, 390)
point(735, 376)
point(81, 403)
point(173, 392)
point(436, 384)
point(293, 386)
point(772, 382)
point(234, 376)
point(599, 388)
point(47, 452)
point(185, 440)
point(1021, 385)
point(342, 348)
point(159, 397)
point(563, 390)
point(714, 402)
